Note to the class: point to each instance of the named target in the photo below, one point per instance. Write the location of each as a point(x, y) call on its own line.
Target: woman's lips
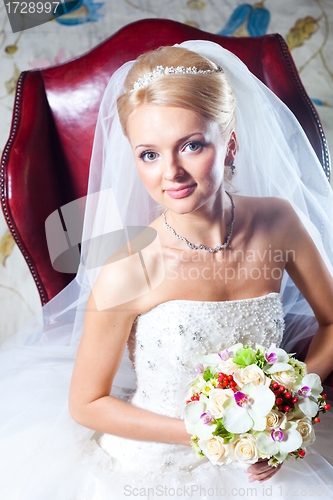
point(181, 192)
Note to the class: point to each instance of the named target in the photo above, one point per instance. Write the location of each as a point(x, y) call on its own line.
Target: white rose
point(305, 428)
point(216, 451)
point(287, 378)
point(217, 397)
point(228, 367)
point(251, 373)
point(245, 449)
point(276, 419)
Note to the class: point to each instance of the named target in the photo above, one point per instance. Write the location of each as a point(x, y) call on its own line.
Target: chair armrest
point(31, 163)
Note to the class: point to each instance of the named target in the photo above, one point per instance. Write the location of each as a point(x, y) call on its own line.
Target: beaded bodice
point(171, 339)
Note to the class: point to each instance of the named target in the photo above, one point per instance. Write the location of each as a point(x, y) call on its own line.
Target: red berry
point(275, 385)
point(233, 383)
point(277, 392)
point(286, 408)
point(230, 377)
point(301, 453)
point(220, 386)
point(317, 420)
point(279, 401)
point(327, 406)
point(288, 395)
point(324, 396)
point(294, 400)
point(281, 388)
point(280, 407)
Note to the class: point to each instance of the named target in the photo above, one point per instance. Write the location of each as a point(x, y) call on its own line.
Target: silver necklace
point(200, 246)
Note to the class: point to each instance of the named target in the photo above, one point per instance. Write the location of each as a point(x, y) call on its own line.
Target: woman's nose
point(173, 168)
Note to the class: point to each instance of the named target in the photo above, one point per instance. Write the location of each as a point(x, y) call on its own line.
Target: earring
point(232, 167)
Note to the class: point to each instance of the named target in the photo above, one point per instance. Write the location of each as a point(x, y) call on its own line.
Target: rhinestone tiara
point(160, 70)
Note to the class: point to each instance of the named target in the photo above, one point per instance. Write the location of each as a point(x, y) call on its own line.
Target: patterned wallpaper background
point(307, 25)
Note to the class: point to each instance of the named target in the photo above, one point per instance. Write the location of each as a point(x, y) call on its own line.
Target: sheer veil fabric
point(39, 440)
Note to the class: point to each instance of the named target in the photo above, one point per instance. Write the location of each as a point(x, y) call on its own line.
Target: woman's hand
point(261, 471)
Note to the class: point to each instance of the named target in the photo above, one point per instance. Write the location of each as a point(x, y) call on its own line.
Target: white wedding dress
point(168, 341)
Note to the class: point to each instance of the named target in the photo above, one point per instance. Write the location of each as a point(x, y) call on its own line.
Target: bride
point(228, 258)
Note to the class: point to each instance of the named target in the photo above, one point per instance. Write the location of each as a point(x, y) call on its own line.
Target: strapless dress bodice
point(171, 339)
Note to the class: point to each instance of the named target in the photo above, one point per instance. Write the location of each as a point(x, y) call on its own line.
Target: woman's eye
point(148, 156)
point(193, 146)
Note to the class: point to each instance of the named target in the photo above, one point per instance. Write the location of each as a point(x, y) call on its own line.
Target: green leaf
point(207, 374)
point(222, 431)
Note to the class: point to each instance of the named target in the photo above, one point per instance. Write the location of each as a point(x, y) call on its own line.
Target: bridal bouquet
point(247, 404)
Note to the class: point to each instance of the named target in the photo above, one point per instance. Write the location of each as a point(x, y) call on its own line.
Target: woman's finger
point(262, 471)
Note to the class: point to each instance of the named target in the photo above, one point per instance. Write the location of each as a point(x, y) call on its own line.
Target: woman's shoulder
point(270, 208)
point(268, 218)
point(260, 201)
point(130, 273)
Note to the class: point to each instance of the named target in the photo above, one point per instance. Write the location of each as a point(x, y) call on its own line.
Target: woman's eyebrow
point(182, 139)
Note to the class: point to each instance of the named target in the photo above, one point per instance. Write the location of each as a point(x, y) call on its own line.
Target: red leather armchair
point(46, 160)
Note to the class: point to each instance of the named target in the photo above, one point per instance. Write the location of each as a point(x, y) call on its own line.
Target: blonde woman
point(198, 234)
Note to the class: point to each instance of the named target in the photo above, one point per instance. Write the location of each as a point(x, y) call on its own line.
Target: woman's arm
point(307, 269)
point(103, 342)
point(311, 276)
